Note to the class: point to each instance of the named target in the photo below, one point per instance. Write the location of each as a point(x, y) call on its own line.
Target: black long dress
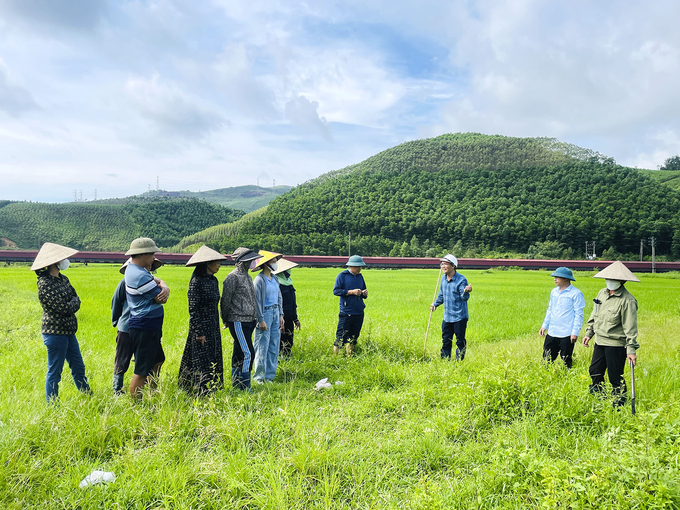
point(201, 370)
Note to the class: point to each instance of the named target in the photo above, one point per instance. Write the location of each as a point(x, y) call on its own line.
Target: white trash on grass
point(97, 477)
point(323, 384)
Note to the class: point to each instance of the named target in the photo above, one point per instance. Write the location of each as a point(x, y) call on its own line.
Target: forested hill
point(244, 198)
point(110, 227)
point(471, 151)
point(471, 194)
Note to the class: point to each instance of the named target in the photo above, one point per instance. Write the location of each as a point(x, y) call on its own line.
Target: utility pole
point(349, 244)
point(652, 241)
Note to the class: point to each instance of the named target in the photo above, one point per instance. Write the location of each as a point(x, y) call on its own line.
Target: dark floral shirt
point(60, 304)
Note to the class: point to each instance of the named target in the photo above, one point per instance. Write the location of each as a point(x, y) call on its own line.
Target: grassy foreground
point(498, 430)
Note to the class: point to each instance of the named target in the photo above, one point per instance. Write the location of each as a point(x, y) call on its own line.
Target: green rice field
point(403, 430)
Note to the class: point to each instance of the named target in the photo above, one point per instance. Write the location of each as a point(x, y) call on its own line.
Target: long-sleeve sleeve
point(260, 292)
point(629, 324)
point(196, 303)
point(117, 303)
point(579, 304)
point(440, 297)
point(339, 287)
point(548, 314)
point(228, 288)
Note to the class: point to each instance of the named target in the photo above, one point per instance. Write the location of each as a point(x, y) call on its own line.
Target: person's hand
point(355, 292)
point(157, 280)
point(163, 295)
point(432, 308)
point(262, 325)
point(468, 288)
point(364, 292)
point(201, 340)
point(297, 324)
point(281, 324)
point(632, 358)
point(573, 338)
point(541, 332)
point(586, 339)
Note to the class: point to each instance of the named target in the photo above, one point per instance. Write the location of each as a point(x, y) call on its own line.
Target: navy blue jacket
point(346, 281)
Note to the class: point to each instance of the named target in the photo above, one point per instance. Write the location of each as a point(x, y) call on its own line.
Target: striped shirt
point(141, 289)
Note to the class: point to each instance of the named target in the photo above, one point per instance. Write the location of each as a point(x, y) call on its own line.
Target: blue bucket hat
point(355, 260)
point(564, 272)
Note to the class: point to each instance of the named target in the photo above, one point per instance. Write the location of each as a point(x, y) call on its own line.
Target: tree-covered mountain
point(473, 193)
point(108, 227)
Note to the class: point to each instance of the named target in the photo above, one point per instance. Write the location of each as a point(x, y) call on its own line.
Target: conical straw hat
point(617, 271)
point(205, 254)
point(51, 253)
point(266, 257)
point(284, 265)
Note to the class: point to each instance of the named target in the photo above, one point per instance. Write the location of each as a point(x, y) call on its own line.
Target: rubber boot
point(118, 384)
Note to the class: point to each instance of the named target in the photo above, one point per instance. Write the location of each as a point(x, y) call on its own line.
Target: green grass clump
point(500, 430)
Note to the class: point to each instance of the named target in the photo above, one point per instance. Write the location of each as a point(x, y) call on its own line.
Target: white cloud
point(14, 99)
point(172, 111)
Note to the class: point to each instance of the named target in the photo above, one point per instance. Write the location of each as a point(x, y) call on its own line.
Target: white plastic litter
point(323, 384)
point(97, 477)
point(339, 382)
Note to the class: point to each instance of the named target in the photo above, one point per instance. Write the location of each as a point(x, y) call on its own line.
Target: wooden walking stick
point(632, 385)
point(436, 290)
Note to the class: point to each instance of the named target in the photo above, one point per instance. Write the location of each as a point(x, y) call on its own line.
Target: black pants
point(244, 353)
point(613, 360)
point(286, 345)
point(448, 330)
point(558, 345)
point(349, 327)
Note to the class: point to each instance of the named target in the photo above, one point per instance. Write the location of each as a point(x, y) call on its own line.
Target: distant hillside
point(670, 178)
point(245, 198)
point(470, 192)
point(107, 227)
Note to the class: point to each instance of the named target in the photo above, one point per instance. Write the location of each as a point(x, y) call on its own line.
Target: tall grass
point(498, 430)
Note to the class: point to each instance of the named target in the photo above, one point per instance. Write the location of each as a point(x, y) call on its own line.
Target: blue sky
point(109, 95)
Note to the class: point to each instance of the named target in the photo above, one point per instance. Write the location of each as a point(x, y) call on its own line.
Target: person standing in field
point(201, 370)
point(563, 319)
point(290, 317)
point(120, 316)
point(454, 293)
point(350, 287)
point(269, 318)
point(239, 313)
point(613, 325)
point(146, 296)
point(60, 303)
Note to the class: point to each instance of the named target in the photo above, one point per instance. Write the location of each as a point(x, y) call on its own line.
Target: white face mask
point(613, 284)
point(63, 264)
point(272, 265)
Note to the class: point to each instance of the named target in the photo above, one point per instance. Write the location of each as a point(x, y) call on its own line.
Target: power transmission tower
point(652, 242)
point(274, 183)
point(157, 184)
point(75, 197)
point(95, 193)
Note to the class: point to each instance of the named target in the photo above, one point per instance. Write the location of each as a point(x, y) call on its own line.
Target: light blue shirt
point(565, 312)
point(452, 294)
